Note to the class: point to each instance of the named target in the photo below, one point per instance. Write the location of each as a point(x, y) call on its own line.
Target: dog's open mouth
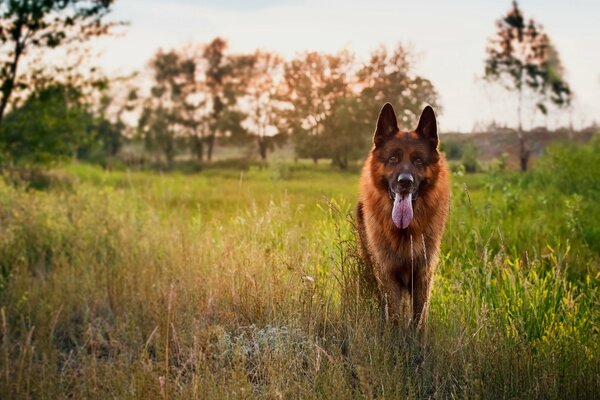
point(402, 210)
point(393, 195)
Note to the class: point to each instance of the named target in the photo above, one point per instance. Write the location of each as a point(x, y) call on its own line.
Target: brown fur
point(403, 260)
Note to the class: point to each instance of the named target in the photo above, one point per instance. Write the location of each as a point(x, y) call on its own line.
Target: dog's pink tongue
point(402, 213)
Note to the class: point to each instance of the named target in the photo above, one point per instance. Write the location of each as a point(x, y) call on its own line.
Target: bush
point(573, 171)
point(49, 127)
point(469, 158)
point(452, 148)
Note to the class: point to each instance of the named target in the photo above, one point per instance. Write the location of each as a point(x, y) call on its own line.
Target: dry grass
point(245, 286)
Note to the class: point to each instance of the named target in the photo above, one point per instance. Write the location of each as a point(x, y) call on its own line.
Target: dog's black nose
point(405, 180)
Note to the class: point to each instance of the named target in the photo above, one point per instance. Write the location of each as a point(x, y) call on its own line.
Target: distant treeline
point(189, 99)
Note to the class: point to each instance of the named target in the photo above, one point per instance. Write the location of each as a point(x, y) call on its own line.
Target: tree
point(332, 105)
point(521, 58)
point(312, 84)
point(260, 94)
point(389, 77)
point(106, 134)
point(347, 132)
point(197, 123)
point(50, 126)
point(163, 116)
point(223, 84)
point(157, 127)
point(43, 24)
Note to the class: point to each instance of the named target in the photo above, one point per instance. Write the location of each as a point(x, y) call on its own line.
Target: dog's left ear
point(427, 127)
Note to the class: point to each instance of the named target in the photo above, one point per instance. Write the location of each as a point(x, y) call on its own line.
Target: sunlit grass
point(238, 285)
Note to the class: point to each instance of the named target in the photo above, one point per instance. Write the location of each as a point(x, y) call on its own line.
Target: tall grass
point(246, 285)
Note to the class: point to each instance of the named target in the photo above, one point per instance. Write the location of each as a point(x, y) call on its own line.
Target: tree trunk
point(341, 162)
point(344, 163)
point(523, 152)
point(8, 85)
point(169, 152)
point(210, 142)
point(262, 148)
point(170, 156)
point(198, 148)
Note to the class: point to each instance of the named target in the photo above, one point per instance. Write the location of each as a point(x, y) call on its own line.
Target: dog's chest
point(396, 252)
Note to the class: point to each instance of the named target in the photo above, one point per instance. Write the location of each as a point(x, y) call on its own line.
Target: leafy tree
point(347, 132)
point(388, 77)
point(469, 158)
point(163, 117)
point(312, 84)
point(223, 83)
point(107, 136)
point(197, 124)
point(43, 24)
point(157, 126)
point(109, 102)
point(521, 58)
point(332, 106)
point(260, 94)
point(50, 126)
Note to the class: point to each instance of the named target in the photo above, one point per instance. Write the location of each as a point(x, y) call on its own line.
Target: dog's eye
point(393, 160)
point(418, 162)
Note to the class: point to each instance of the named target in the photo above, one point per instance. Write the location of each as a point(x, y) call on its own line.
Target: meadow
point(244, 284)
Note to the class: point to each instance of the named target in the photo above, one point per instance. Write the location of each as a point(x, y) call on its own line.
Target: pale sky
point(448, 36)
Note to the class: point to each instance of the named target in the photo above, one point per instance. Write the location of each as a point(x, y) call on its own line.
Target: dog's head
point(405, 162)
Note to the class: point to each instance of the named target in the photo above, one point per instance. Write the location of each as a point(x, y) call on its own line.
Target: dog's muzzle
point(406, 183)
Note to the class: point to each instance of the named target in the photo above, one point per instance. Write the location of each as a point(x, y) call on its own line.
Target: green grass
point(225, 284)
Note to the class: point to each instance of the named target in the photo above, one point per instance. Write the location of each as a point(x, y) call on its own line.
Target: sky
point(448, 37)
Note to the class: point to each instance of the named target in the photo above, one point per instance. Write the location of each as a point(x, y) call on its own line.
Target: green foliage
point(313, 82)
point(462, 155)
point(469, 158)
point(334, 105)
point(347, 136)
point(224, 83)
point(225, 285)
point(164, 114)
point(452, 149)
point(41, 25)
point(389, 76)
point(49, 127)
point(309, 146)
point(572, 171)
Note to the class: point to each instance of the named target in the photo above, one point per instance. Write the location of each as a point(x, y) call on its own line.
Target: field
point(229, 284)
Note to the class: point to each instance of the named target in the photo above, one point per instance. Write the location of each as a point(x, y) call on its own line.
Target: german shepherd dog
point(401, 214)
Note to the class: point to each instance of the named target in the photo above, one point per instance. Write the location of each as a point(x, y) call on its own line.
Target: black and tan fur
point(403, 261)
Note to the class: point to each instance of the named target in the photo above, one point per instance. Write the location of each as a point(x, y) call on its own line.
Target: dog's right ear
point(387, 125)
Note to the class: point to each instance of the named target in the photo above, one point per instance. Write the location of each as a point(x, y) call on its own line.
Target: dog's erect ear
point(387, 125)
point(427, 127)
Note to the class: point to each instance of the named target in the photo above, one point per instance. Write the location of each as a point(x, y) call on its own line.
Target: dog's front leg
point(395, 300)
point(420, 292)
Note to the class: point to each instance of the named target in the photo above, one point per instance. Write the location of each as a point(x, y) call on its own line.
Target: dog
point(403, 205)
